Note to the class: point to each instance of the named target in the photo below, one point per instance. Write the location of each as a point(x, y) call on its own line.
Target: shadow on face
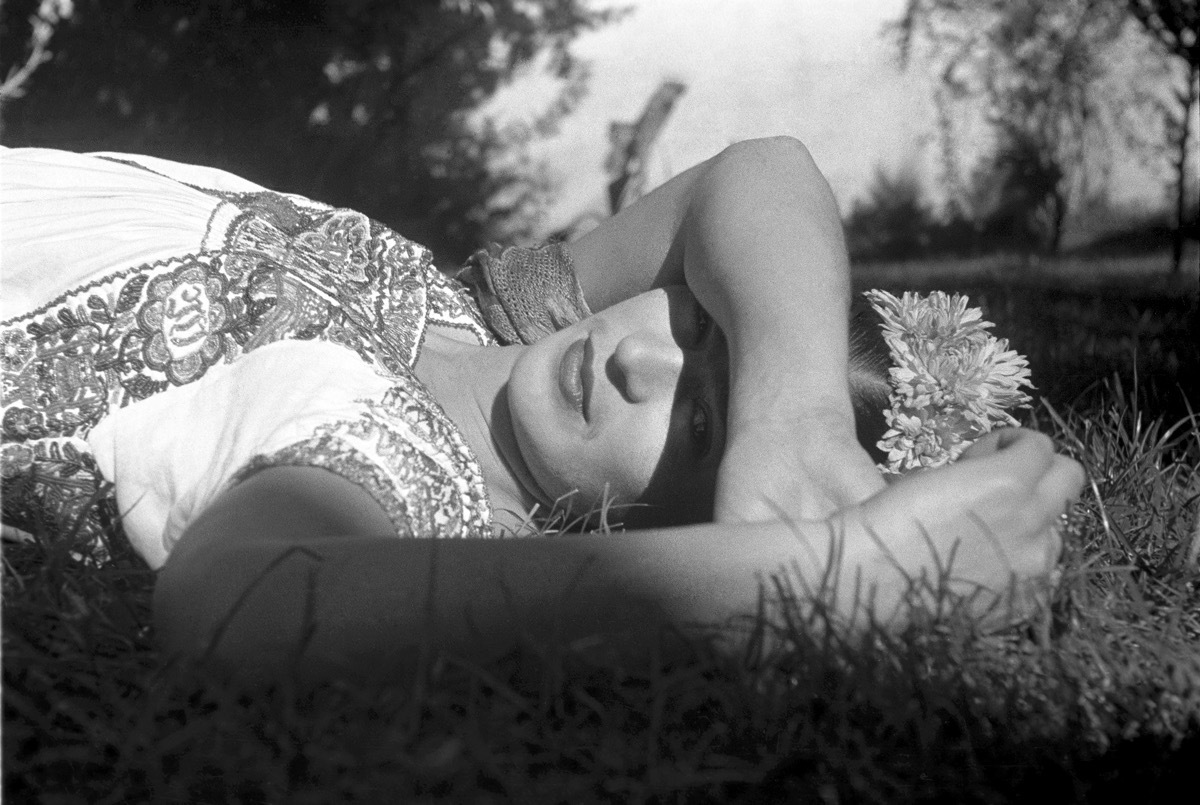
point(682, 491)
point(679, 494)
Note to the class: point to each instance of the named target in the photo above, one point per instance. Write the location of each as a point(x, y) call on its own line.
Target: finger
point(1060, 486)
point(985, 445)
point(1009, 461)
point(1002, 439)
point(1054, 546)
point(995, 441)
point(1026, 453)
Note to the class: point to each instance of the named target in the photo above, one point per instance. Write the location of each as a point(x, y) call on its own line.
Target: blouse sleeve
point(195, 175)
point(301, 403)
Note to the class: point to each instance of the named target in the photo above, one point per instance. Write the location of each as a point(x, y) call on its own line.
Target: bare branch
point(42, 23)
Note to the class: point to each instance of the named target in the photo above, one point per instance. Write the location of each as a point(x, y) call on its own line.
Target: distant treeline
point(1046, 94)
point(896, 221)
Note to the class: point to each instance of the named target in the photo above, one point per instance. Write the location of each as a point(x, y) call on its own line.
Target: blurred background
point(1039, 154)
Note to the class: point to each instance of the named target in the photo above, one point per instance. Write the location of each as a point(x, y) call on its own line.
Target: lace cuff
point(525, 293)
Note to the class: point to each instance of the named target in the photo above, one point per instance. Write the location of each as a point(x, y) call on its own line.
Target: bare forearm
point(754, 232)
point(262, 590)
point(764, 251)
point(361, 603)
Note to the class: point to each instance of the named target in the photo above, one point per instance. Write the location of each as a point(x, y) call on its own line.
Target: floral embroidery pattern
point(287, 268)
point(17, 349)
point(184, 318)
point(21, 423)
point(452, 306)
point(342, 241)
point(408, 455)
point(15, 459)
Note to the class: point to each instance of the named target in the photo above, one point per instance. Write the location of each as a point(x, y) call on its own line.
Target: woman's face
point(630, 401)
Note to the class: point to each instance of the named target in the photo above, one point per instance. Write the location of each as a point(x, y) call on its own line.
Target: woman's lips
point(574, 375)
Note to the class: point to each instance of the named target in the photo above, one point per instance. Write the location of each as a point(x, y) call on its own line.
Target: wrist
point(817, 415)
point(847, 567)
point(790, 380)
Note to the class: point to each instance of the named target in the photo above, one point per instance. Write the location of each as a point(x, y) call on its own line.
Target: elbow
point(773, 179)
point(230, 613)
point(772, 152)
point(184, 610)
point(769, 168)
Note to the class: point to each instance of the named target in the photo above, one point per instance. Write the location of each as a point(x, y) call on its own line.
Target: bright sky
point(819, 70)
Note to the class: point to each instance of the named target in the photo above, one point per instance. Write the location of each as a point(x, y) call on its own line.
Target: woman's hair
point(870, 389)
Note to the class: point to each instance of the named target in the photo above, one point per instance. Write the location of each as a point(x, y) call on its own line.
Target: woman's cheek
point(635, 454)
point(539, 455)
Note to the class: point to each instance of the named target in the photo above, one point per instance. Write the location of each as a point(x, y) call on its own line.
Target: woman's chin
point(540, 482)
point(538, 417)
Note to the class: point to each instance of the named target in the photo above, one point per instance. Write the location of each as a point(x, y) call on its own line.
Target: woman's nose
point(646, 365)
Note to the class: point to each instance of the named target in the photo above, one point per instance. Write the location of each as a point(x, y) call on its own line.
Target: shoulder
point(195, 175)
point(304, 404)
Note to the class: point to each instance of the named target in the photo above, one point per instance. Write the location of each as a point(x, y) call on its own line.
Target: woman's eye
point(700, 431)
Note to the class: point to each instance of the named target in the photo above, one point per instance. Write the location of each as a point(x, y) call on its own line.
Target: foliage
point(42, 22)
point(1096, 700)
point(370, 104)
point(893, 221)
point(1017, 194)
point(1175, 25)
point(1046, 79)
point(896, 221)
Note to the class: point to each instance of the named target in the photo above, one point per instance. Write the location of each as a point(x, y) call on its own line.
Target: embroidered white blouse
point(168, 328)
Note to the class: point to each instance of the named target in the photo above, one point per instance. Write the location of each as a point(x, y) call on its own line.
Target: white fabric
point(198, 175)
point(78, 233)
point(114, 215)
point(173, 453)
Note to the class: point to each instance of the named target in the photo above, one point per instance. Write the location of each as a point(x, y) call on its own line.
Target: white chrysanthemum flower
point(952, 381)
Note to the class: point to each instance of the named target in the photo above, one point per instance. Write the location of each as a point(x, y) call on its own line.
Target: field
point(1097, 699)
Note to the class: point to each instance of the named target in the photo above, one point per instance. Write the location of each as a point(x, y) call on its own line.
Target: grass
point(1097, 699)
point(1080, 322)
point(1141, 272)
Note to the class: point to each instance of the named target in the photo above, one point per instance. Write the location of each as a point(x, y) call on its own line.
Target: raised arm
point(263, 581)
point(755, 233)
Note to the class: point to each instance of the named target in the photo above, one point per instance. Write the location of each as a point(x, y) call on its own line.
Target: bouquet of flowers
point(952, 381)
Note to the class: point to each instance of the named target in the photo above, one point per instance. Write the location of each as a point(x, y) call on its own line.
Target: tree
point(630, 145)
point(893, 222)
point(1175, 26)
point(372, 104)
point(1016, 195)
point(42, 22)
point(1039, 71)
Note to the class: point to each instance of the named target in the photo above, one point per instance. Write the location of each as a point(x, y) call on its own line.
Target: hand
point(806, 470)
point(989, 522)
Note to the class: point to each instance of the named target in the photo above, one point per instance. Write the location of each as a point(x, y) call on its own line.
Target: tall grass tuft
point(1096, 699)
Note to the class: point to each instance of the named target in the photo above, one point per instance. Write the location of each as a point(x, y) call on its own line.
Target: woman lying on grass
point(279, 390)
